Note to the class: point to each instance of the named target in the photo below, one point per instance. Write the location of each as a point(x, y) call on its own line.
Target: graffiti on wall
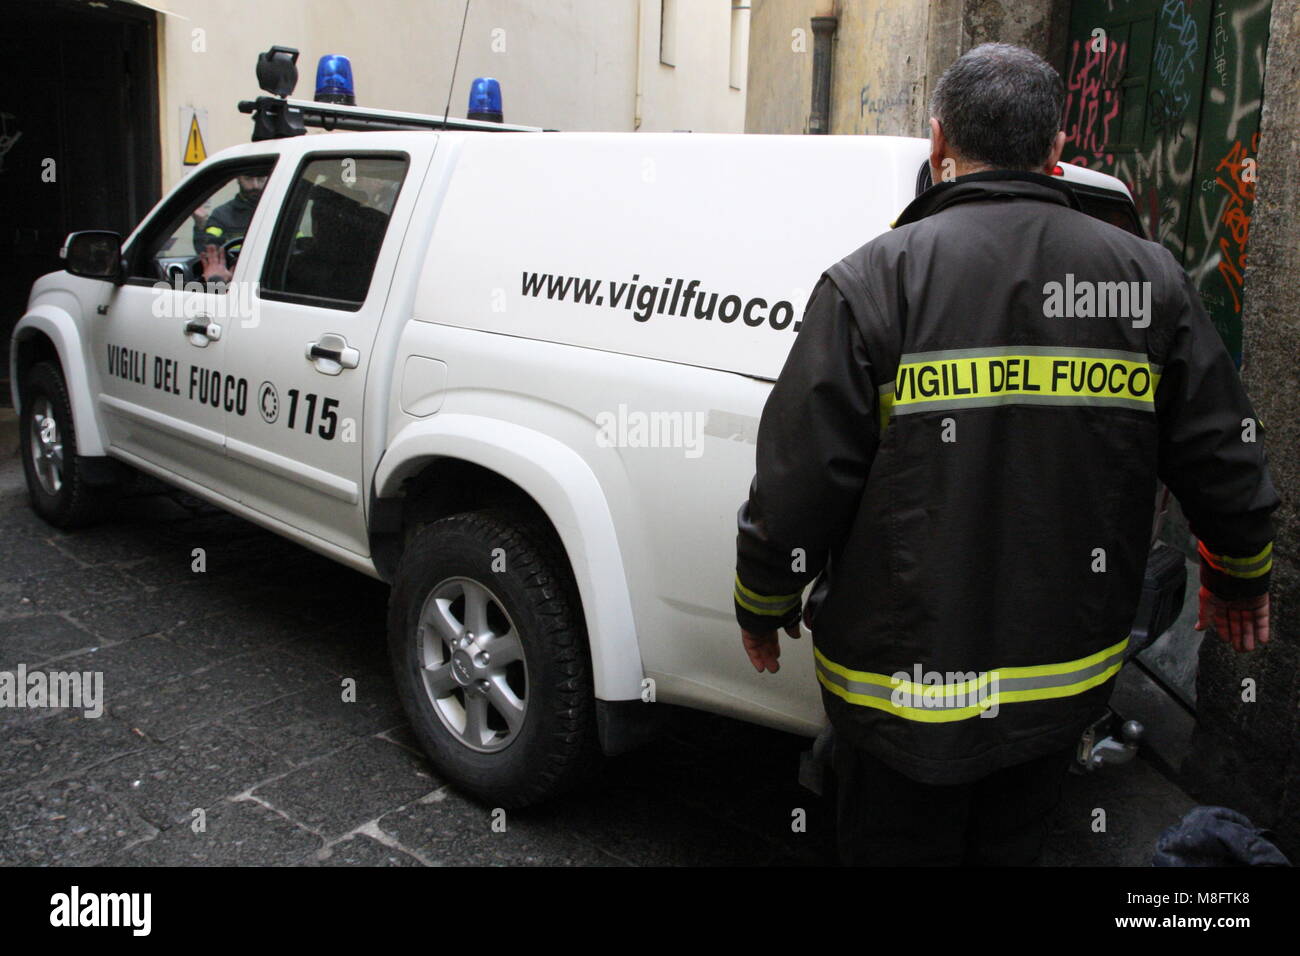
point(886, 111)
point(1186, 151)
point(1226, 171)
point(1236, 178)
point(1092, 97)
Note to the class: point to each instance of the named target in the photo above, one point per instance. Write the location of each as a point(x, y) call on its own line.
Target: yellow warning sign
point(195, 151)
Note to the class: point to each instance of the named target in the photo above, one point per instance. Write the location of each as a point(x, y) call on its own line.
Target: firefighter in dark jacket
point(228, 221)
point(965, 444)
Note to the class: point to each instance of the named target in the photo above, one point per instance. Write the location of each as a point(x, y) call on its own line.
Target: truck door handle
point(331, 354)
point(202, 331)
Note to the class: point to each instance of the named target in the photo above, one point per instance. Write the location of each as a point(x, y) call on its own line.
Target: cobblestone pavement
point(223, 692)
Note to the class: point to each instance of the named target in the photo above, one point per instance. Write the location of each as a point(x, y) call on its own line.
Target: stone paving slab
point(73, 821)
point(166, 782)
point(231, 833)
point(335, 795)
point(361, 850)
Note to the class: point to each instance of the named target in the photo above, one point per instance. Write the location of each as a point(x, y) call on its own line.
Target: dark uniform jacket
point(228, 221)
point(970, 454)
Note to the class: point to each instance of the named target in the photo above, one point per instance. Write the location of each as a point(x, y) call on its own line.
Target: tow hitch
point(1101, 746)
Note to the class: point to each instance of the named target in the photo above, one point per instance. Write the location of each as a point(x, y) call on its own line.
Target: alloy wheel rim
point(46, 447)
point(472, 665)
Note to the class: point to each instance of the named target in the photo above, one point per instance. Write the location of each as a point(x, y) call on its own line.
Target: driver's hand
point(1242, 622)
point(213, 263)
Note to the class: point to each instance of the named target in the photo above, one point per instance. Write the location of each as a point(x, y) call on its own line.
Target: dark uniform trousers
point(885, 818)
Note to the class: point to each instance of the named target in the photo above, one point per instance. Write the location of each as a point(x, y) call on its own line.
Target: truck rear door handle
point(331, 354)
point(201, 331)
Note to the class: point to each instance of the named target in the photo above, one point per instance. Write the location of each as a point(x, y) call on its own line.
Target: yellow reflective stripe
point(213, 230)
point(1091, 671)
point(1003, 673)
point(1043, 670)
point(768, 612)
point(937, 716)
point(773, 606)
point(1255, 566)
point(973, 378)
point(1257, 573)
point(865, 677)
point(911, 713)
point(754, 595)
point(886, 405)
point(1243, 562)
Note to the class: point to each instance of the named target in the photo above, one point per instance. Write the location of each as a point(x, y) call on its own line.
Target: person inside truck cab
point(228, 221)
point(336, 248)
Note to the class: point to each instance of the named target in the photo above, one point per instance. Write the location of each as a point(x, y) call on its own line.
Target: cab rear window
point(1098, 203)
point(1116, 210)
point(331, 229)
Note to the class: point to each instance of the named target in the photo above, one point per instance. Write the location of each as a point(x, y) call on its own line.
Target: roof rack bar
point(336, 116)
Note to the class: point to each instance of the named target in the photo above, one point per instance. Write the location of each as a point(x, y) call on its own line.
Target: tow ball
point(1098, 749)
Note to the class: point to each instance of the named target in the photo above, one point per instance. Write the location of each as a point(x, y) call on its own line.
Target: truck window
point(331, 230)
point(1108, 207)
point(214, 212)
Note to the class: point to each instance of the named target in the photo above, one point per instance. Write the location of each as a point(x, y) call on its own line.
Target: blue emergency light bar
point(276, 116)
point(334, 80)
point(485, 100)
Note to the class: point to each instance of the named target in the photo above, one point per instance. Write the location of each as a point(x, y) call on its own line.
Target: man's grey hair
point(1000, 106)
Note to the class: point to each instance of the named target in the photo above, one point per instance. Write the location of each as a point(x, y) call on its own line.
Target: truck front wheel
point(490, 658)
point(56, 482)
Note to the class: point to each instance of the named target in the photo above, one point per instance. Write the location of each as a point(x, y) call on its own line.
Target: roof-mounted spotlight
point(277, 74)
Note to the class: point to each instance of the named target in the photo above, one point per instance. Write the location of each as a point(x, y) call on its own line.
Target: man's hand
point(1243, 622)
point(764, 647)
point(213, 262)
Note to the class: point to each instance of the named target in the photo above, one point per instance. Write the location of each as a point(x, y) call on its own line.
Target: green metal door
point(1165, 95)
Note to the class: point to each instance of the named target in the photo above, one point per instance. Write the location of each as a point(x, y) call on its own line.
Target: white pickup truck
point(516, 374)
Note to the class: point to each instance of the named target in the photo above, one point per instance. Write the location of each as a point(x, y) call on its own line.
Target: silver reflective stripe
point(944, 355)
point(1022, 398)
point(1004, 685)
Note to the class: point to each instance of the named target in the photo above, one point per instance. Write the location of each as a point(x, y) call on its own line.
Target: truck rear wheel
point(490, 657)
point(56, 481)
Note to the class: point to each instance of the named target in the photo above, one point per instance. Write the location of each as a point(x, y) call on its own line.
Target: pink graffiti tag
point(1093, 96)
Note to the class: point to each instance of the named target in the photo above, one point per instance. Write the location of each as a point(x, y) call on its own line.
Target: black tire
point(75, 502)
point(555, 745)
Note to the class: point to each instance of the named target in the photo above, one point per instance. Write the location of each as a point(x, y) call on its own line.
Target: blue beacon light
point(334, 80)
point(484, 100)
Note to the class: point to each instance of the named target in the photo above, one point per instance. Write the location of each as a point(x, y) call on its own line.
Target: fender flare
point(568, 492)
point(59, 327)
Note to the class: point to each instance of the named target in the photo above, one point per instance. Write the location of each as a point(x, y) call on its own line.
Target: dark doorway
point(78, 134)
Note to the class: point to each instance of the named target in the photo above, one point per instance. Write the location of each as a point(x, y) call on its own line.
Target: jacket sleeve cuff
point(757, 612)
point(1230, 577)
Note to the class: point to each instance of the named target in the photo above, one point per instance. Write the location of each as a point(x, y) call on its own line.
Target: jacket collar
point(988, 184)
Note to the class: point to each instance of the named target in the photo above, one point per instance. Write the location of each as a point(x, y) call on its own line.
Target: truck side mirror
point(93, 254)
